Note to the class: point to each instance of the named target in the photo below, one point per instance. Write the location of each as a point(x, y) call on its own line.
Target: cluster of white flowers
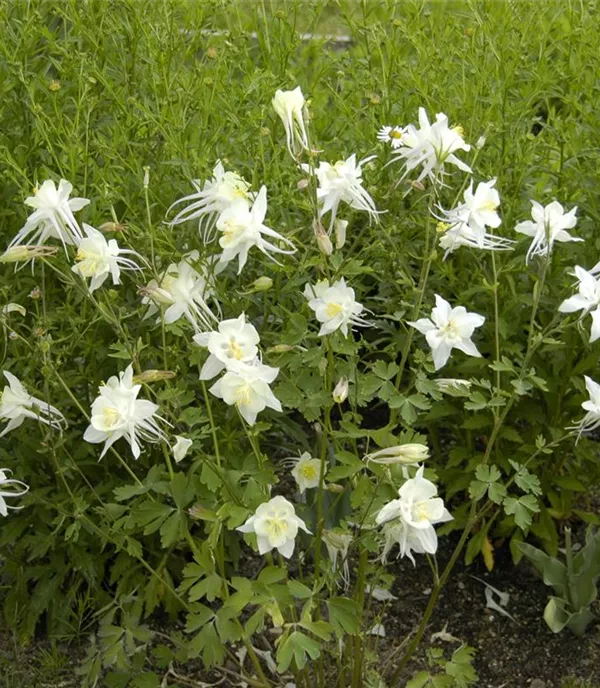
point(233, 348)
point(53, 218)
point(224, 204)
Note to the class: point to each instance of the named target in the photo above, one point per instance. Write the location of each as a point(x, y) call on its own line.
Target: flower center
point(243, 395)
point(89, 263)
point(276, 527)
point(442, 227)
point(234, 350)
point(450, 330)
point(333, 309)
point(395, 134)
point(110, 416)
point(489, 205)
point(420, 511)
point(308, 471)
point(459, 130)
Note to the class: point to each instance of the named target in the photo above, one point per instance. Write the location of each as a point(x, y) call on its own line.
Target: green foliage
point(100, 93)
point(574, 582)
point(457, 672)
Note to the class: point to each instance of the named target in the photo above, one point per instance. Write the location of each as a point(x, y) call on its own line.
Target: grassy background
point(94, 91)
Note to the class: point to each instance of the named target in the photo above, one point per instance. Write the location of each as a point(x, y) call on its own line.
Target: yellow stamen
point(333, 309)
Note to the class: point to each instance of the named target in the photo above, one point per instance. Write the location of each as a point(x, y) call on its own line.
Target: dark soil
point(508, 654)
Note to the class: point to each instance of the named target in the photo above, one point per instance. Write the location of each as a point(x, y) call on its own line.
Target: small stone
point(461, 585)
point(537, 683)
point(427, 591)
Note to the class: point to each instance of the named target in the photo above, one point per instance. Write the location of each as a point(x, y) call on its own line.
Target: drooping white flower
point(587, 300)
point(117, 412)
point(405, 454)
point(18, 254)
point(340, 391)
point(457, 233)
point(342, 182)
point(338, 543)
point(52, 217)
point(9, 487)
point(335, 306)
point(453, 386)
point(391, 135)
point(431, 146)
point(98, 258)
point(591, 420)
point(240, 228)
point(234, 340)
point(211, 199)
point(411, 517)
point(289, 106)
point(550, 224)
point(276, 526)
point(184, 292)
point(246, 386)
point(306, 471)
point(16, 404)
point(466, 224)
point(449, 328)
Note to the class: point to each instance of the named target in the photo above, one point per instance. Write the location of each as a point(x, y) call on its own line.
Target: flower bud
point(16, 254)
point(417, 185)
point(280, 349)
point(449, 385)
point(340, 392)
point(480, 142)
point(402, 453)
point(146, 177)
point(153, 376)
point(181, 447)
point(35, 294)
point(263, 283)
point(108, 227)
point(323, 241)
point(334, 487)
point(302, 184)
point(340, 232)
point(160, 296)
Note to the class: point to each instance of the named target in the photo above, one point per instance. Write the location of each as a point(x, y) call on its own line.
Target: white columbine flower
point(412, 517)
point(211, 199)
point(591, 420)
point(391, 135)
point(449, 328)
point(117, 412)
point(335, 306)
point(234, 340)
point(240, 228)
point(549, 224)
point(181, 447)
point(9, 487)
point(184, 292)
point(587, 300)
point(289, 105)
point(98, 258)
point(16, 405)
point(276, 526)
point(340, 391)
point(465, 225)
point(246, 386)
point(432, 146)
point(53, 215)
point(342, 182)
point(306, 471)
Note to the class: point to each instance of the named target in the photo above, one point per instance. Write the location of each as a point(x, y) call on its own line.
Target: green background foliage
point(96, 91)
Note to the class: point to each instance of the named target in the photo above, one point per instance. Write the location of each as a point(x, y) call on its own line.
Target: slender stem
point(211, 421)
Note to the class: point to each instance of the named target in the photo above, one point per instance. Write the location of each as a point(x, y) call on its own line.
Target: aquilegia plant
point(245, 426)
